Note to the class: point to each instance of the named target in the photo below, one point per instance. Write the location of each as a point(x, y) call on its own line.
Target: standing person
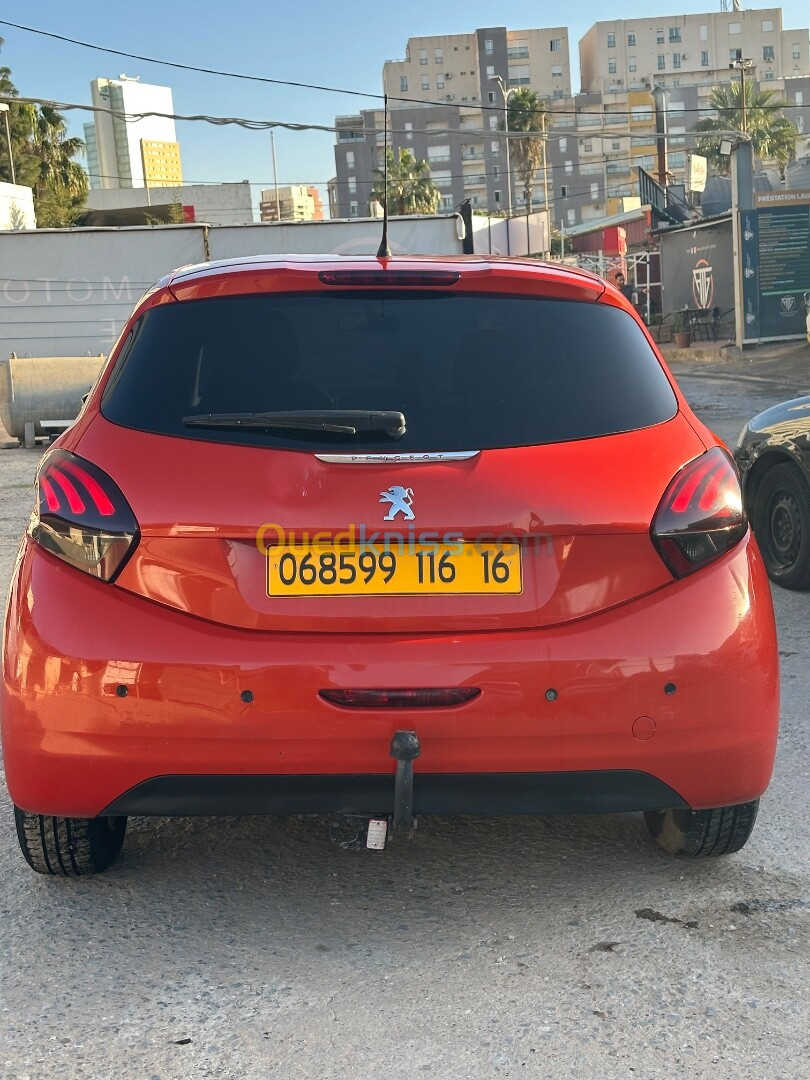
point(625, 289)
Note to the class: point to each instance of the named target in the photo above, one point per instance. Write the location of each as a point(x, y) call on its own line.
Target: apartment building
point(597, 139)
point(291, 202)
point(628, 54)
point(447, 107)
point(137, 153)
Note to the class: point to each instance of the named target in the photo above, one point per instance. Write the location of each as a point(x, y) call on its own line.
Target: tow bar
point(405, 749)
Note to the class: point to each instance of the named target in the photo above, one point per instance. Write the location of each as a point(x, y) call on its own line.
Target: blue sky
point(341, 45)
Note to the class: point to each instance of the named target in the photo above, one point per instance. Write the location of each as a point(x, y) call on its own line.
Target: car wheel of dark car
point(703, 833)
point(782, 526)
point(69, 847)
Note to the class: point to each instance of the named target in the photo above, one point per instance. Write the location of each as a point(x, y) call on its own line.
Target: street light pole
point(4, 110)
point(506, 91)
point(742, 66)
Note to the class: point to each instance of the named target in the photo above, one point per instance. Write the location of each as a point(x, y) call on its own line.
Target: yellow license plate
point(415, 570)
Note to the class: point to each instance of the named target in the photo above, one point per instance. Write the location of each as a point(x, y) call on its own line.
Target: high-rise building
point(629, 54)
point(445, 104)
point(136, 153)
point(291, 202)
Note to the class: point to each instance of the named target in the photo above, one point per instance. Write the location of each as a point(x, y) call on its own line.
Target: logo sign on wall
point(703, 284)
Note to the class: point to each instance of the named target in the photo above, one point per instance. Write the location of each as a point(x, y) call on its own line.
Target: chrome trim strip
point(396, 459)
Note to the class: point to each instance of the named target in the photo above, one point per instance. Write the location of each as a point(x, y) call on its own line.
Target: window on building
point(408, 131)
point(704, 59)
point(662, 62)
point(611, 41)
point(676, 59)
point(497, 196)
point(569, 167)
point(491, 96)
point(767, 26)
point(352, 209)
point(423, 56)
point(555, 44)
point(659, 37)
point(496, 172)
point(769, 75)
point(735, 28)
point(403, 84)
point(595, 191)
point(448, 202)
point(441, 177)
point(518, 50)
point(678, 160)
point(587, 147)
point(631, 66)
point(438, 56)
point(641, 112)
point(352, 185)
point(631, 40)
point(674, 34)
point(558, 94)
point(519, 75)
point(490, 70)
point(438, 153)
point(767, 53)
point(493, 123)
point(798, 97)
point(564, 191)
point(611, 67)
point(799, 122)
point(704, 32)
point(562, 145)
point(735, 54)
point(489, 46)
point(615, 145)
point(440, 82)
point(571, 217)
point(350, 159)
point(556, 71)
point(495, 147)
point(425, 82)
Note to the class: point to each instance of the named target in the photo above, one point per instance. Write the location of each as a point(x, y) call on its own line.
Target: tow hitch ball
point(405, 749)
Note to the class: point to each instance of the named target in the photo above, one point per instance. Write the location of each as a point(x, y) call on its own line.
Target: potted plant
point(682, 333)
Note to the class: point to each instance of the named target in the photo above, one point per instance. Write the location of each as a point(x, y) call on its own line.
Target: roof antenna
point(384, 251)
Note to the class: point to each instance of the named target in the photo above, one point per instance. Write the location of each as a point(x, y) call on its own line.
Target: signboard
point(775, 264)
point(698, 172)
point(696, 268)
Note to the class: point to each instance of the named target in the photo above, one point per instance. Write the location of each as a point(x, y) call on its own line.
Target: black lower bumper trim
point(592, 792)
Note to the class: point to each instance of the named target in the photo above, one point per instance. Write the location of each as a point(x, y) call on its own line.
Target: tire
point(703, 833)
point(782, 526)
point(69, 847)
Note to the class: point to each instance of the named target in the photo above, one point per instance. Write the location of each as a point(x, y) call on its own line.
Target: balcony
point(518, 52)
point(475, 180)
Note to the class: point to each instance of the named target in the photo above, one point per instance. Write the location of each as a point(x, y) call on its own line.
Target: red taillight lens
point(700, 516)
point(428, 697)
point(81, 516)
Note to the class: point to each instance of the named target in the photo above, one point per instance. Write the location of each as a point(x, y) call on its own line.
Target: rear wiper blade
point(334, 421)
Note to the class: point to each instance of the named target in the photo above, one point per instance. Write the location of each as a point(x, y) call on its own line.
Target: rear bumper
point(74, 747)
point(434, 793)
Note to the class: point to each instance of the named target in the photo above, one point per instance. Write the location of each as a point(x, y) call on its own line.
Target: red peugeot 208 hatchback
point(403, 535)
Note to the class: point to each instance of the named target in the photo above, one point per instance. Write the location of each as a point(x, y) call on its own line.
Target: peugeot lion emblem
point(400, 499)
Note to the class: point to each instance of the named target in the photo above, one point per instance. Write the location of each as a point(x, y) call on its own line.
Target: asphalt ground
point(550, 947)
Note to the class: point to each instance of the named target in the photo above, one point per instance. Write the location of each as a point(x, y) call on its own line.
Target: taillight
point(700, 516)
point(81, 516)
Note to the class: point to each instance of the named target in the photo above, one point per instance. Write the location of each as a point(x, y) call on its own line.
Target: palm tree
point(410, 189)
point(525, 112)
point(772, 135)
point(60, 187)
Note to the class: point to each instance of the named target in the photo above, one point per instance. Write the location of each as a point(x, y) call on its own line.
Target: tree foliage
point(410, 189)
point(44, 156)
point(772, 135)
point(525, 112)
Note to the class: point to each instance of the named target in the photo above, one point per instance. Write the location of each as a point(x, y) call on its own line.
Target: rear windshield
point(467, 372)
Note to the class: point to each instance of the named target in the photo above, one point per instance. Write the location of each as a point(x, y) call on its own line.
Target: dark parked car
point(773, 453)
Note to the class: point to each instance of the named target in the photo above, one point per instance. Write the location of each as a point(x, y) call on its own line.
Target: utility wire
point(316, 86)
